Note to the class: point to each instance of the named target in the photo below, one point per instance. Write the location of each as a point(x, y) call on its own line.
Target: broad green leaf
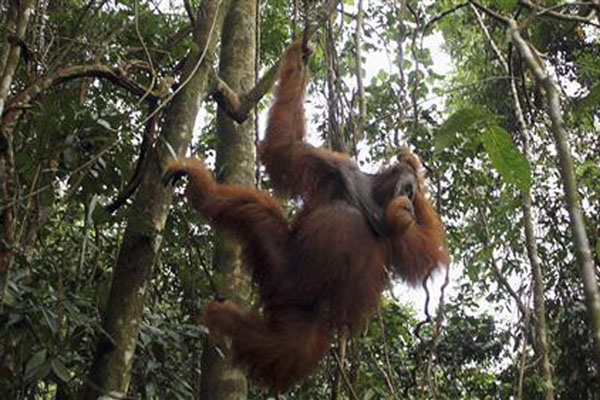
point(34, 364)
point(506, 158)
point(60, 370)
point(598, 249)
point(457, 123)
point(51, 319)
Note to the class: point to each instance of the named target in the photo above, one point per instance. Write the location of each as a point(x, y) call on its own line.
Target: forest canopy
point(105, 271)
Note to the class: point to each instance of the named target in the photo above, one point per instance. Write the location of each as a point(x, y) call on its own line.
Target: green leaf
point(100, 216)
point(507, 5)
point(370, 393)
point(459, 122)
point(506, 158)
point(588, 102)
point(34, 364)
point(60, 370)
point(51, 319)
point(598, 249)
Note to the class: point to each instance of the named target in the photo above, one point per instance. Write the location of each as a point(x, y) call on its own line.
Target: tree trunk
point(539, 303)
point(235, 164)
point(583, 253)
point(9, 62)
point(541, 346)
point(111, 368)
point(16, 25)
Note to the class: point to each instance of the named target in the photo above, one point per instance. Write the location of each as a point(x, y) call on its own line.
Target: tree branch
point(499, 275)
point(238, 106)
point(136, 178)
point(498, 17)
point(189, 9)
point(116, 75)
point(443, 14)
point(23, 11)
point(560, 16)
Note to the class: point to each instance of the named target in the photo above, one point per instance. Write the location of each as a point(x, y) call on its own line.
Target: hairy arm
point(294, 166)
point(251, 216)
point(230, 207)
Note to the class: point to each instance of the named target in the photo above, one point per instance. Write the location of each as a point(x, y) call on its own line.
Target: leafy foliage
point(77, 145)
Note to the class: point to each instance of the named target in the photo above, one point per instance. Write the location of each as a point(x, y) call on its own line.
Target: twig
point(560, 16)
point(190, 76)
point(443, 14)
point(238, 106)
point(345, 377)
point(191, 13)
point(386, 354)
point(501, 278)
point(141, 39)
point(136, 178)
point(498, 17)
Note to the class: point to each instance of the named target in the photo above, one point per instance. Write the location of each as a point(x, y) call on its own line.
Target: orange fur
point(276, 351)
point(326, 269)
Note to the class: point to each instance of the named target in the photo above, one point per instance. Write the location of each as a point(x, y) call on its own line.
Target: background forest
point(104, 272)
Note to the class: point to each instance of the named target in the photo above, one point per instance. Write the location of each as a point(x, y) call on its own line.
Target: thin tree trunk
point(337, 140)
point(362, 102)
point(8, 189)
point(539, 303)
point(582, 246)
point(111, 368)
point(235, 164)
point(337, 375)
point(14, 49)
point(10, 55)
point(541, 346)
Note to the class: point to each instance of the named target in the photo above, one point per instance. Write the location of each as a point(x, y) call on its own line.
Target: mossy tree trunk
point(235, 164)
point(111, 368)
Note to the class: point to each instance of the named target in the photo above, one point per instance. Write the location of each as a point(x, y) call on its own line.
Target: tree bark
point(13, 49)
point(111, 368)
point(235, 164)
point(541, 345)
point(8, 189)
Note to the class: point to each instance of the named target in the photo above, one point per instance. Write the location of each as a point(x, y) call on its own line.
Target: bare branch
point(490, 40)
point(238, 106)
point(189, 9)
point(12, 58)
point(500, 18)
point(349, 386)
point(362, 104)
point(501, 278)
point(136, 178)
point(443, 14)
point(560, 16)
point(116, 75)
